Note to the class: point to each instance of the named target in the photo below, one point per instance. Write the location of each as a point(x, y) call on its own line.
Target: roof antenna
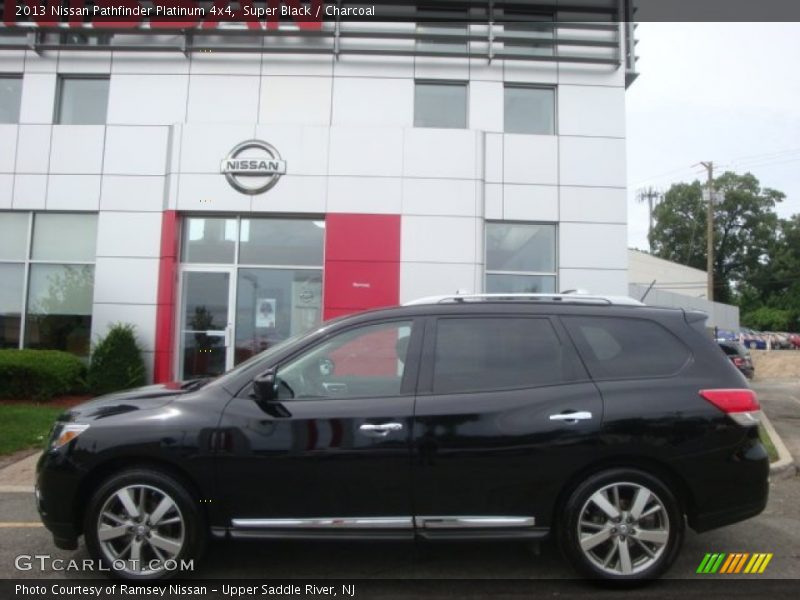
point(647, 291)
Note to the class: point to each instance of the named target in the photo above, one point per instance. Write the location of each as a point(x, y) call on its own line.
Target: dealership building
point(225, 189)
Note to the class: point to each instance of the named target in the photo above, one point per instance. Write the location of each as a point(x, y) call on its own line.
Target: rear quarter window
point(617, 348)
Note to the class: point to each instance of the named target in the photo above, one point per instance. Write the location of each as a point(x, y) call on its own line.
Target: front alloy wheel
point(622, 525)
point(143, 524)
point(141, 527)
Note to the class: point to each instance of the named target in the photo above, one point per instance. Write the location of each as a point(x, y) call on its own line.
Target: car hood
point(147, 397)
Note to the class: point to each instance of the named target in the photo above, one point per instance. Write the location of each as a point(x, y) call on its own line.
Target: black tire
point(190, 529)
point(665, 522)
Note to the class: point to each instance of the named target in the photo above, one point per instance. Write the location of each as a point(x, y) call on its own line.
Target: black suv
point(605, 424)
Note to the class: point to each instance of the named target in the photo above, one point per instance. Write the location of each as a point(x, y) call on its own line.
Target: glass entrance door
point(206, 323)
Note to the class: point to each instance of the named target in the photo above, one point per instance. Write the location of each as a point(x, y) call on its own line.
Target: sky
point(722, 92)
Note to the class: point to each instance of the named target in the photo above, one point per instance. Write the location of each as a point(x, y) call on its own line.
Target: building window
point(520, 258)
point(436, 35)
point(530, 110)
point(10, 97)
point(440, 104)
point(75, 38)
point(47, 280)
point(257, 279)
point(82, 100)
point(528, 34)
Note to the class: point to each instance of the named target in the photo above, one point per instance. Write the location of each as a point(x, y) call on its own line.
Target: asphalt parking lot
point(777, 530)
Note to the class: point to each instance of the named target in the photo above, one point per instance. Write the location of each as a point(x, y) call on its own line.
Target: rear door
point(503, 414)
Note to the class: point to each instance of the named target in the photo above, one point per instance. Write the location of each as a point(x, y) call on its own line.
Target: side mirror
point(264, 386)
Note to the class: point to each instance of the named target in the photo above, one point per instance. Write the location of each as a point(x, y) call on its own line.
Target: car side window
point(367, 361)
point(615, 348)
point(491, 353)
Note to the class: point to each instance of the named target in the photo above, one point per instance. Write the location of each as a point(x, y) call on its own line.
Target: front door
point(206, 323)
point(333, 450)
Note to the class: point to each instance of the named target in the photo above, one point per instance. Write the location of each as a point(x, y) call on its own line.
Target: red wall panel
point(362, 237)
point(362, 262)
point(167, 289)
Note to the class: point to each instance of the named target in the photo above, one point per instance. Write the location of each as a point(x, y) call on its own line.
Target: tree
point(776, 284)
point(745, 229)
point(116, 362)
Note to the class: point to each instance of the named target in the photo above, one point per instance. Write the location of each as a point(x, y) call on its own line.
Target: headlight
point(68, 433)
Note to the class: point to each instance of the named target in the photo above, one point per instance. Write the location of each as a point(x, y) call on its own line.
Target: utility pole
point(709, 166)
point(649, 194)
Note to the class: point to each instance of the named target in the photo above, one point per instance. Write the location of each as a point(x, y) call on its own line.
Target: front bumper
point(56, 493)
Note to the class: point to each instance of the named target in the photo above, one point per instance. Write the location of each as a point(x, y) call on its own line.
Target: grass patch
point(767, 441)
point(25, 425)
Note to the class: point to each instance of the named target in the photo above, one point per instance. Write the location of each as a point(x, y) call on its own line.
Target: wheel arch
point(656, 468)
point(115, 465)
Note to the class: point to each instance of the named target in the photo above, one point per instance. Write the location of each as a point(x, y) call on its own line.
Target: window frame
point(589, 358)
point(444, 47)
point(28, 262)
point(408, 384)
point(521, 21)
point(443, 82)
point(556, 258)
point(21, 79)
point(59, 98)
point(574, 371)
point(530, 86)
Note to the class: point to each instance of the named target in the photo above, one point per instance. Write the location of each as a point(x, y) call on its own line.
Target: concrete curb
point(16, 489)
point(785, 465)
point(19, 476)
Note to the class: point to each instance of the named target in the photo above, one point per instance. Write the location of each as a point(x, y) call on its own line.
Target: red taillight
point(733, 401)
point(738, 361)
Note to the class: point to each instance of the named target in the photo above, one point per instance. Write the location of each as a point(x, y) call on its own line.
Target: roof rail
point(568, 298)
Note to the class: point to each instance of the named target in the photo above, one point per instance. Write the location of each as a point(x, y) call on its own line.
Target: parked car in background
point(726, 334)
point(779, 341)
point(794, 339)
point(753, 340)
point(739, 356)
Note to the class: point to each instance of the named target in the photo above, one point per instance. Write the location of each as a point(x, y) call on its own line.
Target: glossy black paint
point(484, 453)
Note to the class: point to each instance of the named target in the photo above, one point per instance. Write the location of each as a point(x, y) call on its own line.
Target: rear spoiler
point(696, 319)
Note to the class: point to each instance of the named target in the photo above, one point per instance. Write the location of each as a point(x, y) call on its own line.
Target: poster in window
point(265, 312)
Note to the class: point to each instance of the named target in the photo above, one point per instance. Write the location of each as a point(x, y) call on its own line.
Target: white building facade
point(441, 163)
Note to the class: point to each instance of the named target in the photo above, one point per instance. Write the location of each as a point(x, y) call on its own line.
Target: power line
point(738, 162)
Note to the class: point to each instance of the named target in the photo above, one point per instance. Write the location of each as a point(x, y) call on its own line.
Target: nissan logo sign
point(253, 167)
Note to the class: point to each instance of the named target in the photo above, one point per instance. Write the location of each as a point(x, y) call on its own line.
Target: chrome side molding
point(470, 522)
point(425, 522)
point(327, 523)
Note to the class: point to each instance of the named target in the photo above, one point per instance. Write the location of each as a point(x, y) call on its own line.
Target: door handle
point(572, 417)
point(381, 430)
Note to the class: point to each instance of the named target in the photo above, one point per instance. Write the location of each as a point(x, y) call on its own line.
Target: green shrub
point(40, 374)
point(116, 362)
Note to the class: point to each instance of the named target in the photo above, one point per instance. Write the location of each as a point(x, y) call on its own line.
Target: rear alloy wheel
point(141, 524)
point(622, 525)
